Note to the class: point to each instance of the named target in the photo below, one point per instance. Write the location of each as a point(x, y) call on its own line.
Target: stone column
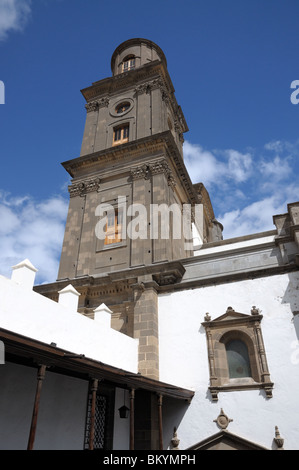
point(146, 328)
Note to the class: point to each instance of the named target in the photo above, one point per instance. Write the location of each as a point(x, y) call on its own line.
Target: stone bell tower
point(131, 161)
point(131, 152)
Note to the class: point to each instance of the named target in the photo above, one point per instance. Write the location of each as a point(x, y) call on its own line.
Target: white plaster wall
point(30, 314)
point(121, 433)
point(184, 361)
point(62, 411)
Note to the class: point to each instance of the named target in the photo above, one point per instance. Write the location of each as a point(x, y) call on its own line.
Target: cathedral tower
point(130, 187)
point(131, 157)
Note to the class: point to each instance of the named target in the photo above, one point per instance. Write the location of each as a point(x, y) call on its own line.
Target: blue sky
point(232, 63)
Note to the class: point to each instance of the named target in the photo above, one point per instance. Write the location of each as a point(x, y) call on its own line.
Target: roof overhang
point(31, 352)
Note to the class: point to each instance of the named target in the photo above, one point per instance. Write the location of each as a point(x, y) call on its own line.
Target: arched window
point(237, 359)
point(236, 353)
point(128, 63)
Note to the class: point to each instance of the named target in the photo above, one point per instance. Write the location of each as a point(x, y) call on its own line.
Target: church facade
point(157, 333)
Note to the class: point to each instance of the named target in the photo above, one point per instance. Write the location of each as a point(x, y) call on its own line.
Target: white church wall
point(184, 360)
point(121, 429)
point(30, 314)
point(17, 391)
point(62, 413)
point(61, 420)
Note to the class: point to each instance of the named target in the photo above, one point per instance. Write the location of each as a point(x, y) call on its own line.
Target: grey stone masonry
point(146, 329)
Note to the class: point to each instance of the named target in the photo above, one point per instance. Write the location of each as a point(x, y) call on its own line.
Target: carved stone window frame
point(247, 328)
point(100, 242)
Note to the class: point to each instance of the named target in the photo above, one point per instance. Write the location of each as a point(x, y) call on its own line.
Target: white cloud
point(239, 165)
point(14, 15)
point(254, 218)
point(206, 167)
point(201, 164)
point(247, 189)
point(276, 146)
point(278, 168)
point(32, 230)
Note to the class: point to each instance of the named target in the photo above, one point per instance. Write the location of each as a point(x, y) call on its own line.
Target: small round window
point(121, 108)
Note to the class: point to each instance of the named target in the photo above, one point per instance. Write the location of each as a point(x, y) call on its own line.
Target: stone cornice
point(149, 76)
point(175, 275)
point(162, 274)
point(112, 84)
point(162, 143)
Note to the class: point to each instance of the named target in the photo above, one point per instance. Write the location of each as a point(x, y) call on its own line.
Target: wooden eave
point(33, 352)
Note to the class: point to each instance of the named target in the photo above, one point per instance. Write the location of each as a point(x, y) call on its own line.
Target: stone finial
point(102, 315)
point(229, 310)
point(68, 297)
point(255, 311)
point(278, 439)
point(175, 441)
point(223, 420)
point(24, 274)
point(207, 317)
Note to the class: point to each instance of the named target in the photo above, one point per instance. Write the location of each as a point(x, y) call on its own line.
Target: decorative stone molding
point(170, 275)
point(246, 328)
point(76, 189)
point(165, 96)
point(175, 442)
point(91, 106)
point(140, 89)
point(96, 104)
point(177, 126)
point(223, 420)
point(171, 181)
point(278, 439)
point(160, 166)
point(103, 102)
point(181, 137)
point(152, 85)
point(139, 172)
point(82, 187)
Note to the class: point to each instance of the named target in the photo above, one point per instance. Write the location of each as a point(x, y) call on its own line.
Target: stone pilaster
point(141, 247)
point(146, 329)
